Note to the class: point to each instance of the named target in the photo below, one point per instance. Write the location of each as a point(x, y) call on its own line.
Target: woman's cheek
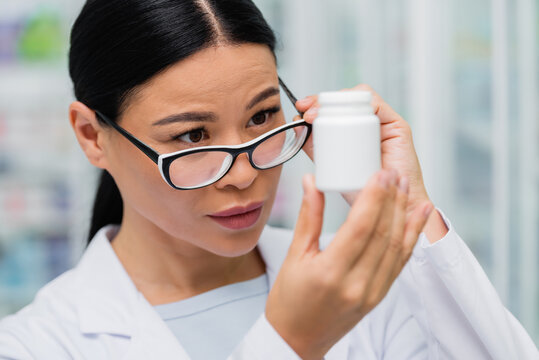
point(274, 176)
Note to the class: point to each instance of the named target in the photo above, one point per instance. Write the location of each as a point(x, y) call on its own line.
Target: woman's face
point(217, 92)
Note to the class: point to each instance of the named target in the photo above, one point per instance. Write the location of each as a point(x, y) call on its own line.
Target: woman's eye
point(260, 118)
point(193, 136)
point(264, 116)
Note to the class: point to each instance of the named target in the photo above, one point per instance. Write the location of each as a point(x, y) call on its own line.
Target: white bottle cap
point(345, 97)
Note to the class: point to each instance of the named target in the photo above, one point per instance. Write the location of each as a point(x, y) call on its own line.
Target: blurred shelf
point(35, 222)
point(27, 87)
point(477, 133)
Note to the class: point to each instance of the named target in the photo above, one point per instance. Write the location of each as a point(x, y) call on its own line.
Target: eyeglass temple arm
point(151, 153)
point(290, 95)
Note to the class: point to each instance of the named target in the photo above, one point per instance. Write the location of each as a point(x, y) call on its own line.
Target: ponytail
point(108, 205)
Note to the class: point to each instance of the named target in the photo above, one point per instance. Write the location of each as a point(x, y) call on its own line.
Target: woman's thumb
point(310, 219)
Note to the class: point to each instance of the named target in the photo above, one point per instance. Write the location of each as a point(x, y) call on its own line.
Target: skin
point(167, 243)
point(398, 152)
point(172, 250)
point(319, 296)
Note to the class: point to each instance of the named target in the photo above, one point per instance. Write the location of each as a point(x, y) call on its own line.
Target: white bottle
point(346, 139)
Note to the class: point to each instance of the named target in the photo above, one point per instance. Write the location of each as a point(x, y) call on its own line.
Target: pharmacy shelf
point(34, 87)
point(477, 133)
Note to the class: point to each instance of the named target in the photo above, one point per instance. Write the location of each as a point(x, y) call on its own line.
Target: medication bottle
point(346, 140)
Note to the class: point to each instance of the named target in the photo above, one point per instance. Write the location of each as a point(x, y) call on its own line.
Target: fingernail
point(428, 210)
point(305, 184)
point(303, 101)
point(308, 181)
point(404, 185)
point(312, 112)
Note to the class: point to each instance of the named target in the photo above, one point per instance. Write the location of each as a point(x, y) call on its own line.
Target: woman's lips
point(238, 217)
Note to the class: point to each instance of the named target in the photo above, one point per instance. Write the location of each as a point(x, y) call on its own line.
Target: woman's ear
point(89, 132)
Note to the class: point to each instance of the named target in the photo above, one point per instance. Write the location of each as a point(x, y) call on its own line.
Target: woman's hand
point(397, 145)
point(319, 296)
point(398, 153)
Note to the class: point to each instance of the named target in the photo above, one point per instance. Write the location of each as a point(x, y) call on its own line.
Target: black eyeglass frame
point(163, 161)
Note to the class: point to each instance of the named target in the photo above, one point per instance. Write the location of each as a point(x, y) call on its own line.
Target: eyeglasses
point(202, 166)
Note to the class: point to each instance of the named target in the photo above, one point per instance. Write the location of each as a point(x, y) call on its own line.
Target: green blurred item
point(41, 37)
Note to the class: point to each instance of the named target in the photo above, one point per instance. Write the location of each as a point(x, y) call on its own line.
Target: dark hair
point(117, 46)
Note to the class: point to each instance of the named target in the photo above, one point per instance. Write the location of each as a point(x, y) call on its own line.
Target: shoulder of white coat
point(52, 316)
point(39, 324)
point(58, 293)
point(390, 329)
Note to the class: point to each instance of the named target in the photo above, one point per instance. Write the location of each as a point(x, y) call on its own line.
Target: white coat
point(442, 306)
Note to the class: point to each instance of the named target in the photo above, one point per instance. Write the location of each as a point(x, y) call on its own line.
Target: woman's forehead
point(219, 79)
point(214, 72)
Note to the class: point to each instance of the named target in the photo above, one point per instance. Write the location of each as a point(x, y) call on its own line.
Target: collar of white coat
point(110, 303)
point(108, 298)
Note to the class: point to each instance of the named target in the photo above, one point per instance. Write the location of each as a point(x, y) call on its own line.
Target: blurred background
point(464, 73)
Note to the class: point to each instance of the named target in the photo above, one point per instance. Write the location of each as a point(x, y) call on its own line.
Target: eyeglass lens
point(203, 168)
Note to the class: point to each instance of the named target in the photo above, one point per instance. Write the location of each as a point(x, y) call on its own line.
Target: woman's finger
point(381, 108)
point(305, 103)
point(310, 219)
point(352, 237)
point(308, 147)
point(309, 106)
point(311, 114)
point(383, 277)
point(366, 267)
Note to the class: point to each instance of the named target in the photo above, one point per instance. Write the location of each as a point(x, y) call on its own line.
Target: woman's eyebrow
point(187, 117)
point(209, 116)
point(263, 96)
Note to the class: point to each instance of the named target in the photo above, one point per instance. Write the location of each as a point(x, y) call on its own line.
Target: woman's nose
point(241, 175)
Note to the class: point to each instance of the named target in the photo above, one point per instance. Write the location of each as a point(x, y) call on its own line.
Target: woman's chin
point(237, 243)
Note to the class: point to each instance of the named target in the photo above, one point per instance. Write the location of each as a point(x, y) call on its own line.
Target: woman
point(192, 271)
